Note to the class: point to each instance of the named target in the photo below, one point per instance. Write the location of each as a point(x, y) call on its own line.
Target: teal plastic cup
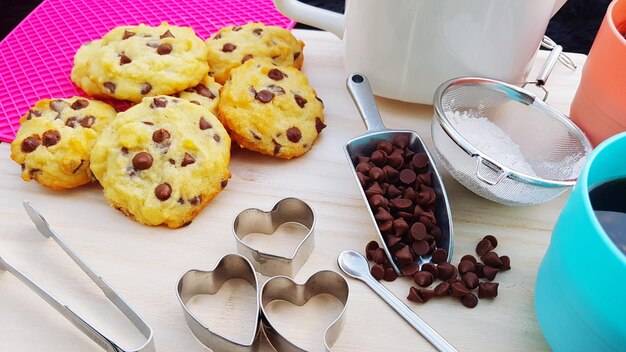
point(580, 296)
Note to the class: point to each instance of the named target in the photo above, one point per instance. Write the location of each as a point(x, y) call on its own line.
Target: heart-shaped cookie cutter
point(195, 282)
point(231, 266)
point(284, 288)
point(285, 211)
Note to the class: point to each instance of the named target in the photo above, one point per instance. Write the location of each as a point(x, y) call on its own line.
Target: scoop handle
point(361, 93)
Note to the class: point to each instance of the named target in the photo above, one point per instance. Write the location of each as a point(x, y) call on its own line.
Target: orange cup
point(599, 106)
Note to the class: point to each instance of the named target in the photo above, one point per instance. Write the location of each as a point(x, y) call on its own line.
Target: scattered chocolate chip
point(187, 160)
point(142, 161)
point(420, 160)
point(446, 271)
point(31, 143)
point(390, 274)
point(410, 270)
point(483, 247)
point(431, 268)
point(442, 290)
point(489, 272)
point(319, 125)
point(407, 176)
point(164, 49)
point(79, 104)
point(379, 158)
point(275, 74)
point(146, 88)
point(458, 289)
point(414, 295)
point(228, 47)
point(158, 103)
point(163, 191)
point(88, 121)
point(492, 259)
point(506, 263)
point(167, 34)
point(469, 300)
point(488, 290)
point(264, 96)
point(404, 256)
point(492, 239)
point(110, 86)
point(204, 124)
point(377, 271)
point(440, 255)
point(469, 257)
point(160, 135)
point(125, 60)
point(294, 135)
point(127, 34)
point(470, 280)
point(423, 278)
point(420, 248)
point(466, 266)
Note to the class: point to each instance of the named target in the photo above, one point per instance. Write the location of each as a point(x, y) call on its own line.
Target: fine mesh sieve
point(503, 143)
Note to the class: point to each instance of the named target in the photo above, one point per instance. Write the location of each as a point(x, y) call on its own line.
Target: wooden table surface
point(143, 263)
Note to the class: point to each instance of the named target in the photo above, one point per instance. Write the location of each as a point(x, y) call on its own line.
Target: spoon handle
point(416, 322)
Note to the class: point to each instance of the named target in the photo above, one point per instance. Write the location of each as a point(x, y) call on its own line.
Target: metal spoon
point(355, 265)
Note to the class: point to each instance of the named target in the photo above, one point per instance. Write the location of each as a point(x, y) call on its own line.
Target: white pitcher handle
point(312, 16)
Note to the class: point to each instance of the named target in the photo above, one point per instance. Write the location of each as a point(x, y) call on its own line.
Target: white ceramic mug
point(407, 48)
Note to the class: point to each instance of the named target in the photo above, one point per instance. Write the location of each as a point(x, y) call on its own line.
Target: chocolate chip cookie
point(234, 45)
point(205, 93)
point(54, 142)
point(132, 62)
point(271, 109)
point(161, 161)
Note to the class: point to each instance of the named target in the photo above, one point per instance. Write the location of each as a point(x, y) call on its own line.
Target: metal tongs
point(103, 341)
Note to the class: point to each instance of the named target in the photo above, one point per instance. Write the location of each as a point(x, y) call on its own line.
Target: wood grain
point(143, 263)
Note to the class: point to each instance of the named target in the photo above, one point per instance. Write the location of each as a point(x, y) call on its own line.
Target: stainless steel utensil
point(361, 93)
point(355, 265)
point(96, 336)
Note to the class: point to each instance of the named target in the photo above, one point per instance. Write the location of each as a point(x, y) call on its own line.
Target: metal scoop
point(361, 93)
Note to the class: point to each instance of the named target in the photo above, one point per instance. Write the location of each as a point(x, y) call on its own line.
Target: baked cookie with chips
point(161, 161)
point(205, 93)
point(232, 46)
point(53, 144)
point(271, 109)
point(132, 62)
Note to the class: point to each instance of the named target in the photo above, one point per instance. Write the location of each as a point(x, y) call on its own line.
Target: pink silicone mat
point(36, 57)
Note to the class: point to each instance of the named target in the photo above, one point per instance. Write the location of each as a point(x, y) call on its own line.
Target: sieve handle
point(546, 70)
point(499, 172)
point(361, 93)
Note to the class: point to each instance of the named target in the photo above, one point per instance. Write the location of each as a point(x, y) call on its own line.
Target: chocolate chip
point(407, 176)
point(446, 271)
point(204, 91)
point(204, 124)
point(246, 58)
point(440, 255)
point(88, 121)
point(488, 289)
point(431, 268)
point(33, 112)
point(79, 104)
point(400, 227)
point(468, 257)
point(31, 143)
point(425, 293)
point(442, 290)
point(401, 141)
point(506, 263)
point(277, 147)
point(414, 295)
point(390, 274)
point(404, 256)
point(300, 100)
point(146, 88)
point(264, 96)
point(458, 289)
point(371, 246)
point(492, 259)
point(224, 183)
point(423, 278)
point(236, 28)
point(160, 135)
point(379, 158)
point(125, 60)
point(58, 105)
point(148, 123)
point(217, 36)
point(489, 272)
point(466, 266)
point(181, 200)
point(377, 271)
point(163, 191)
point(164, 49)
point(410, 269)
point(196, 200)
point(479, 270)
point(275, 74)
point(167, 34)
point(418, 231)
point(110, 86)
point(257, 31)
point(142, 161)
point(319, 125)
point(159, 103)
point(216, 137)
point(400, 203)
point(492, 239)
point(382, 215)
point(187, 160)
point(469, 300)
point(296, 55)
point(72, 122)
point(483, 247)
point(124, 150)
point(378, 256)
point(420, 248)
point(420, 160)
point(127, 34)
point(470, 280)
point(50, 138)
point(294, 135)
point(228, 47)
